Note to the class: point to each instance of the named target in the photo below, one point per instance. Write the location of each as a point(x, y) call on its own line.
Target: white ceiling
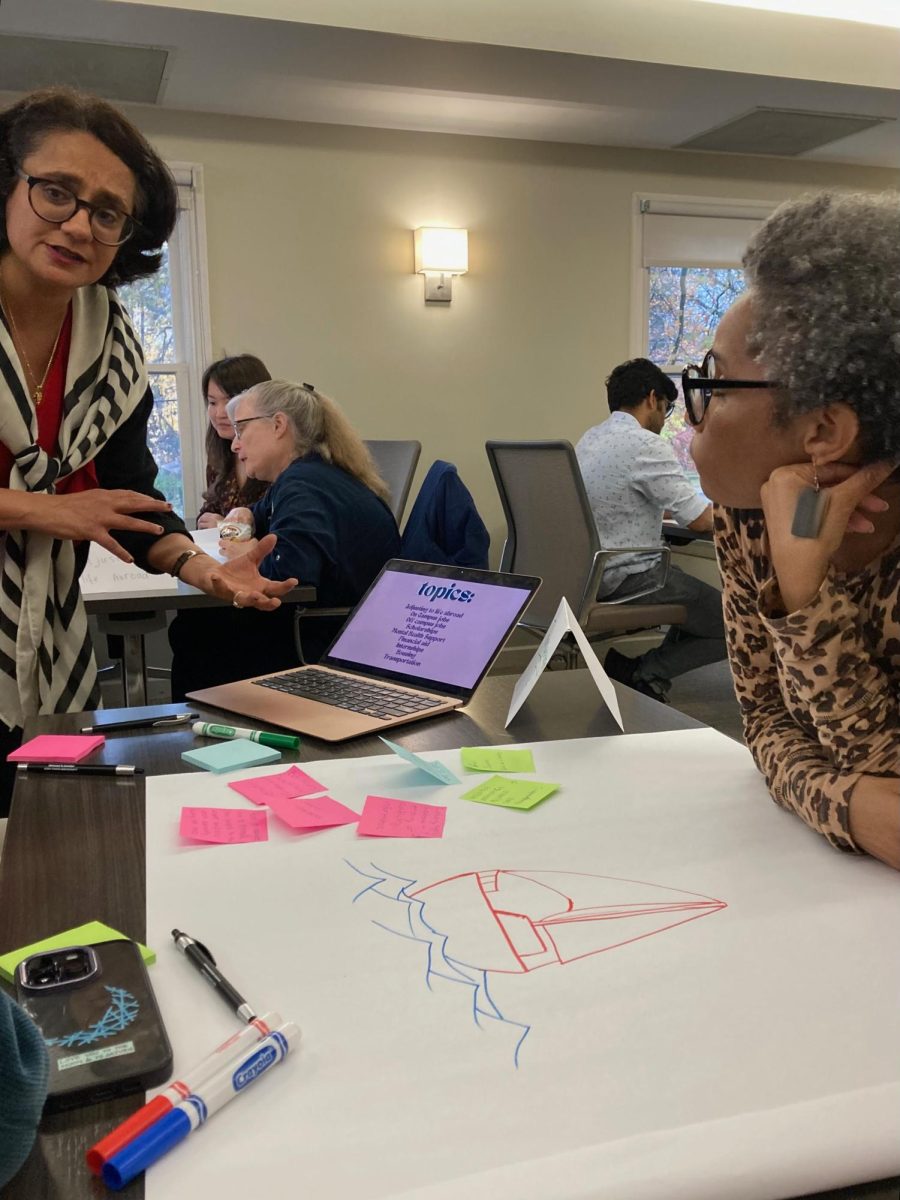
point(644, 73)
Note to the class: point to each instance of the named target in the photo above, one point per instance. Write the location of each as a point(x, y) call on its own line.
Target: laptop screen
point(432, 626)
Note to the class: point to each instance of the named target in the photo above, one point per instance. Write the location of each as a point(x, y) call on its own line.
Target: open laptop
point(418, 643)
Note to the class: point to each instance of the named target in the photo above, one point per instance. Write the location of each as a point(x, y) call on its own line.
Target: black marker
point(141, 723)
point(200, 957)
point(78, 769)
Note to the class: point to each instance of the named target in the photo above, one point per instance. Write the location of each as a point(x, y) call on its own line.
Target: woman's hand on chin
point(239, 580)
point(801, 562)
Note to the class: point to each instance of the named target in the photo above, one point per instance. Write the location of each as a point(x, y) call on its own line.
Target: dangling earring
point(809, 514)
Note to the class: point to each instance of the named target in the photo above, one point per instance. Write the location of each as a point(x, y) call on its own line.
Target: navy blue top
point(333, 532)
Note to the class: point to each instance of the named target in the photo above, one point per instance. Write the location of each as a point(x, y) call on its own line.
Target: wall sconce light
point(441, 254)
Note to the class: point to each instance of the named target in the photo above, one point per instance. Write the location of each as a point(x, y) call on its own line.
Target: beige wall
point(310, 266)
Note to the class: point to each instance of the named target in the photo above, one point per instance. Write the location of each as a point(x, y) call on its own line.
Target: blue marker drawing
point(511, 922)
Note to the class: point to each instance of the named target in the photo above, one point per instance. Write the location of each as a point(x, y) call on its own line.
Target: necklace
point(38, 393)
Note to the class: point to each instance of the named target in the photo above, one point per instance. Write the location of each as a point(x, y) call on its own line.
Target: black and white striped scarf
point(46, 657)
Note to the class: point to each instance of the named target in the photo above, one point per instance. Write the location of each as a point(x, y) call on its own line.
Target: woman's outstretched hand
point(801, 562)
point(239, 580)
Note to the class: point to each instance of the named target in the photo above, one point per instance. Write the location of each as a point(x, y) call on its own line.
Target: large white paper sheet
point(726, 1026)
point(105, 575)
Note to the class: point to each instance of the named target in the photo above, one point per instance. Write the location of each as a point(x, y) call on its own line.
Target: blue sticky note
point(231, 756)
point(435, 769)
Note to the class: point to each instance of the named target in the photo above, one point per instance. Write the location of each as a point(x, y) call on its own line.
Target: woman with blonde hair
point(327, 506)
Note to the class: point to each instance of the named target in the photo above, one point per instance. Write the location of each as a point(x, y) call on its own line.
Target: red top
point(49, 418)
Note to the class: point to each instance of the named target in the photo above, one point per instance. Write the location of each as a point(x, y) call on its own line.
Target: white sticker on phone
point(92, 1056)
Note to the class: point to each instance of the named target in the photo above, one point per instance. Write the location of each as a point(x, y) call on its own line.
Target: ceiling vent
point(124, 73)
point(783, 131)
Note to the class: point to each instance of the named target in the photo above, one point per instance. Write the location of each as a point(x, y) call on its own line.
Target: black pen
point(142, 723)
point(79, 769)
point(200, 957)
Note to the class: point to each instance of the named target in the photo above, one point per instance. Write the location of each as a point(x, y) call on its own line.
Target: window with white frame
point(689, 254)
point(170, 315)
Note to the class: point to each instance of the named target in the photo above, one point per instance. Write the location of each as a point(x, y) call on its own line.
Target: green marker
point(280, 741)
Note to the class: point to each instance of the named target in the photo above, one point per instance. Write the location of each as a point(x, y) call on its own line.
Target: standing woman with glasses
point(797, 409)
point(87, 204)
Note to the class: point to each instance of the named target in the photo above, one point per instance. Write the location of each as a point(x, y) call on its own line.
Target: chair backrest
point(396, 463)
point(550, 526)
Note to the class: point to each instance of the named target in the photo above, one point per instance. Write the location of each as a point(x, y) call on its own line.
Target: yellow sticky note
point(90, 934)
point(511, 793)
point(494, 758)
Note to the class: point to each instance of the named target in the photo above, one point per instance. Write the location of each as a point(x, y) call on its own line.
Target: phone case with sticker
point(103, 1030)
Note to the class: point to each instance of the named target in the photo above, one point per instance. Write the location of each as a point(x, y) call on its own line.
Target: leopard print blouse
point(818, 688)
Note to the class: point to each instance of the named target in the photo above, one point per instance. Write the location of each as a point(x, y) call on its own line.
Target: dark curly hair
point(60, 110)
point(824, 277)
point(631, 382)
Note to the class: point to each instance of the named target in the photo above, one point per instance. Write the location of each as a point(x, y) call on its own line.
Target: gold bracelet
point(178, 565)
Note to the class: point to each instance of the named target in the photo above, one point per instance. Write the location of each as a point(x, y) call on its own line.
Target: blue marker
point(232, 1079)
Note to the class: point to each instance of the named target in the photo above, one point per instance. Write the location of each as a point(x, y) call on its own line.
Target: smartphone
point(102, 1026)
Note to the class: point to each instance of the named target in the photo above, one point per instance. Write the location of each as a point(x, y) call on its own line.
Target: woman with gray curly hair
point(797, 408)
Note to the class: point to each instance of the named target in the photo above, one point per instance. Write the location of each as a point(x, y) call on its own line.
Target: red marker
point(180, 1088)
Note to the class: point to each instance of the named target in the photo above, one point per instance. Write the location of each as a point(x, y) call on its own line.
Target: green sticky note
point(496, 759)
point(511, 793)
point(90, 934)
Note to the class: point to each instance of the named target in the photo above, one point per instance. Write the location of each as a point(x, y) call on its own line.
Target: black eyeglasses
point(238, 426)
point(700, 383)
point(55, 203)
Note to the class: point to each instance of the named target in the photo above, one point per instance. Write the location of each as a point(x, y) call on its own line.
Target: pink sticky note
point(57, 748)
point(312, 812)
point(384, 817)
point(285, 785)
point(224, 825)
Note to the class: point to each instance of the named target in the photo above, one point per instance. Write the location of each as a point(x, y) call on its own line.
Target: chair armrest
point(601, 557)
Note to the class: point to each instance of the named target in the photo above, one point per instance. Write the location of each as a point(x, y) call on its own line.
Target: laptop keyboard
point(343, 691)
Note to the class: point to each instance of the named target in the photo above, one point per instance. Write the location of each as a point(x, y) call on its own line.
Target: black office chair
point(396, 462)
point(551, 532)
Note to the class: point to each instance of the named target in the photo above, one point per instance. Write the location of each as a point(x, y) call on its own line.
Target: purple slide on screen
point(430, 628)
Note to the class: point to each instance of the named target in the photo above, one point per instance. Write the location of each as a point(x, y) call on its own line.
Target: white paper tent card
point(564, 622)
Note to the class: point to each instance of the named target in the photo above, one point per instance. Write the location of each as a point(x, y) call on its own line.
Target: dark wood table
point(75, 850)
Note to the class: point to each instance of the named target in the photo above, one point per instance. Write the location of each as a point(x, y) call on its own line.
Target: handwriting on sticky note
point(511, 793)
point(284, 785)
point(312, 812)
point(226, 826)
point(475, 758)
point(385, 817)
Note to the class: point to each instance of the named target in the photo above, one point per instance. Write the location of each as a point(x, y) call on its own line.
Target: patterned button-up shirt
point(632, 476)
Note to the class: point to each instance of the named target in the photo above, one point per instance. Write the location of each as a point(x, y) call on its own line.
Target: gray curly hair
point(824, 278)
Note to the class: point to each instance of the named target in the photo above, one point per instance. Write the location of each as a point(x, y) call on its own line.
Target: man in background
point(632, 478)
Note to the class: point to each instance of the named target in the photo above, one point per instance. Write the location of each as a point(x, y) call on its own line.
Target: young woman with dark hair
point(227, 485)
